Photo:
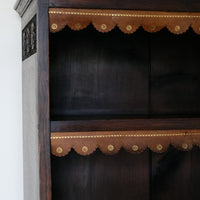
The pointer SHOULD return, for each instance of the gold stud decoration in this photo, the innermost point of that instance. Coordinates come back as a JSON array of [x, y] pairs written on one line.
[[110, 147], [135, 147], [84, 149], [59, 150], [54, 26], [78, 25], [128, 27], [103, 26], [159, 147], [153, 28], [185, 146], [177, 28]]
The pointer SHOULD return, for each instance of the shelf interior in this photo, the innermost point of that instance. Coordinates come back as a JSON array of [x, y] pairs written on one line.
[[171, 175], [115, 75], [118, 81]]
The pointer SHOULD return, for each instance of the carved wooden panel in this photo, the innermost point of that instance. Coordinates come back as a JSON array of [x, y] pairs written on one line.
[[29, 39]]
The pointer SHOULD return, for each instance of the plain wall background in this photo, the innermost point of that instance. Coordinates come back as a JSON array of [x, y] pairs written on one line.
[[11, 167]]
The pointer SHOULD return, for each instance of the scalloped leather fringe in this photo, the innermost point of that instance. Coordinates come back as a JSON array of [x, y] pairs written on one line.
[[127, 21], [110, 142]]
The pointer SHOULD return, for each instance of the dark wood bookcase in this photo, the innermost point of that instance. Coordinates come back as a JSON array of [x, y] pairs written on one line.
[[87, 81]]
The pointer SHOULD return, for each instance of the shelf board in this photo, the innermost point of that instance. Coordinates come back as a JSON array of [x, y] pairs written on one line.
[[125, 124]]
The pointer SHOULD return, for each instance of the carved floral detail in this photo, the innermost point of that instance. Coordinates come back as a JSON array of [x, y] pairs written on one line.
[[29, 39]]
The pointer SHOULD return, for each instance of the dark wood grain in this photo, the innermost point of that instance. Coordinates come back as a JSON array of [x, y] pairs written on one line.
[[167, 5], [175, 175], [175, 73], [122, 176], [171, 175], [113, 75], [98, 74], [194, 173], [125, 124], [193, 5], [43, 101]]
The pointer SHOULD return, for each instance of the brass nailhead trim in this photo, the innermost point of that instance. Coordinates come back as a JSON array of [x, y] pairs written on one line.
[[59, 150], [110, 147], [103, 26], [185, 146], [84, 149], [159, 147], [135, 147], [54, 26], [122, 15], [127, 135], [128, 27], [153, 27], [177, 28]]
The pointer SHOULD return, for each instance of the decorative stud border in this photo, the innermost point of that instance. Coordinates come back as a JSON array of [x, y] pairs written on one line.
[[128, 21], [101, 13], [110, 142], [128, 135]]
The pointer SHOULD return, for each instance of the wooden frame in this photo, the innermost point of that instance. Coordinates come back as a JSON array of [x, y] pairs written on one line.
[[43, 187]]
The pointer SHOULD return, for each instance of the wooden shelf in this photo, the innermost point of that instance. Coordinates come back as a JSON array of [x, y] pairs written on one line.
[[125, 124]]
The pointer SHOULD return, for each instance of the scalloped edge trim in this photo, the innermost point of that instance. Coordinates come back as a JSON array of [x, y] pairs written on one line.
[[128, 21], [110, 142]]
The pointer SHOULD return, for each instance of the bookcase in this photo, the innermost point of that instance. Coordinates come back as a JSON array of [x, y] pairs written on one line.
[[111, 102]]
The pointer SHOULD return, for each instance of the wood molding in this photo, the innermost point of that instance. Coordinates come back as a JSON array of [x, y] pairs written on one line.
[[21, 6]]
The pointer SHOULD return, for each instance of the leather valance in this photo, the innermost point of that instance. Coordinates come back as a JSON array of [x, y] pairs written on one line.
[[110, 142], [128, 21]]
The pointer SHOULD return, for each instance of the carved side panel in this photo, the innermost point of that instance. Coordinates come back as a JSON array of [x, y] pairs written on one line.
[[29, 39]]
